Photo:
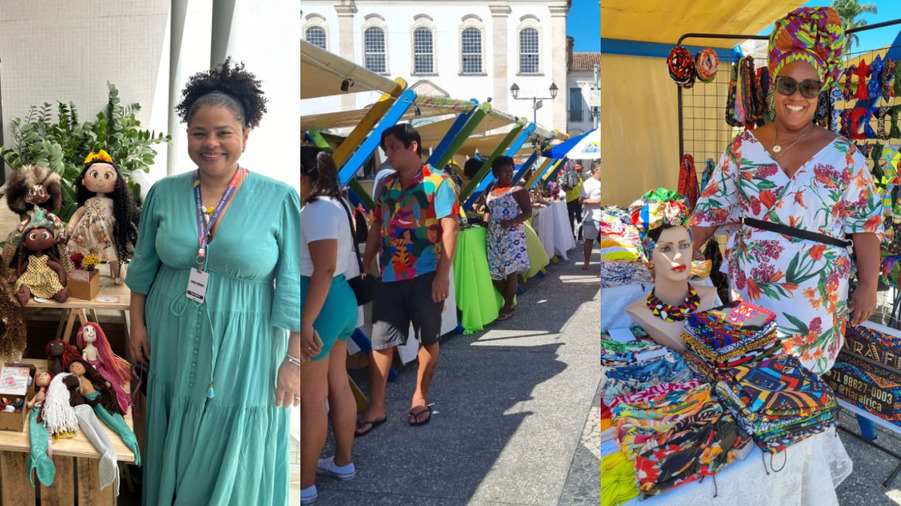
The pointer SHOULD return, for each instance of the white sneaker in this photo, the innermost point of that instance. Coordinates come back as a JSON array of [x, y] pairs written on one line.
[[328, 466], [308, 495]]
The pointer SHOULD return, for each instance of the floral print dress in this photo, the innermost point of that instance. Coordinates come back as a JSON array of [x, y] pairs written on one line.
[[506, 246], [93, 234], [804, 282]]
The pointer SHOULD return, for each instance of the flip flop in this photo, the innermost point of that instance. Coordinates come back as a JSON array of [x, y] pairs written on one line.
[[414, 414], [372, 424], [504, 316]]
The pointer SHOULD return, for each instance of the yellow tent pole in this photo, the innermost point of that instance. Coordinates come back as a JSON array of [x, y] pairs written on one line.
[[355, 138], [537, 173]]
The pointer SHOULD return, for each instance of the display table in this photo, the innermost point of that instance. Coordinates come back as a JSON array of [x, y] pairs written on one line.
[[478, 301], [551, 225], [538, 257], [814, 468], [76, 462], [111, 297]]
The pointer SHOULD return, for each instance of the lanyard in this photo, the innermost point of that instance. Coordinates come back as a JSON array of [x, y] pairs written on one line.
[[204, 226]]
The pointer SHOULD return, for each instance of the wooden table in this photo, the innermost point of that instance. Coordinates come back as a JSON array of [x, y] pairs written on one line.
[[79, 308], [76, 461]]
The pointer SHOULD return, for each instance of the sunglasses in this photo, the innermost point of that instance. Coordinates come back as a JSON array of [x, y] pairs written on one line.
[[810, 88]]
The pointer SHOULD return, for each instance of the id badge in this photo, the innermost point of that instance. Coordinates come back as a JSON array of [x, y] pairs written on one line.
[[197, 285]]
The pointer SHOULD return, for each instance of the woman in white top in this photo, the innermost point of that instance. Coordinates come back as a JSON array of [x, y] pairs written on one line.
[[329, 311]]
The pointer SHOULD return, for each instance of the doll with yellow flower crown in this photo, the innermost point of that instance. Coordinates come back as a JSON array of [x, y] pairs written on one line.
[[106, 223]]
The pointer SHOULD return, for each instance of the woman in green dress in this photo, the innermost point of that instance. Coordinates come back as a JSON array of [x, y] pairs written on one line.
[[211, 312]]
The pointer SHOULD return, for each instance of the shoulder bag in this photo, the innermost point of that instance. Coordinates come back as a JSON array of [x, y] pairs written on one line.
[[362, 285]]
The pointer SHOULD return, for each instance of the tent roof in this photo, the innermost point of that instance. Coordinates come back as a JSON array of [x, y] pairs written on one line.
[[323, 73], [486, 145], [428, 107], [639, 21]]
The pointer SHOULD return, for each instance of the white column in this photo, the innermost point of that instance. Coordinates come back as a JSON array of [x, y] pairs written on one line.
[[265, 36], [558, 72], [346, 35], [189, 53], [499, 17]]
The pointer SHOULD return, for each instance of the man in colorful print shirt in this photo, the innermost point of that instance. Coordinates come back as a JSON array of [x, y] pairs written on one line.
[[414, 231]]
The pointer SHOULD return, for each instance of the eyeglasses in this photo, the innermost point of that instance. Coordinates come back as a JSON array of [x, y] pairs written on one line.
[[810, 88]]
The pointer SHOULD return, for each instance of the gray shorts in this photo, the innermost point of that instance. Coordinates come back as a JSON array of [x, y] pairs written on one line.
[[399, 303], [590, 229]]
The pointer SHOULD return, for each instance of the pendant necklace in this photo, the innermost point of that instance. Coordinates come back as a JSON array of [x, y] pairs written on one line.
[[777, 149]]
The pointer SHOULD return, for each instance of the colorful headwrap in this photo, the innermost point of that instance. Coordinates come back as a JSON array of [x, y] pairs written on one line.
[[810, 34], [658, 208]]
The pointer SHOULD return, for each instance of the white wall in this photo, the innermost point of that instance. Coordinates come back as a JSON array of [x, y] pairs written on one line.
[[447, 16], [584, 81], [66, 51]]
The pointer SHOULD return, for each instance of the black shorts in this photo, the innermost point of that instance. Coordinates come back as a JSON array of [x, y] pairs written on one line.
[[397, 304]]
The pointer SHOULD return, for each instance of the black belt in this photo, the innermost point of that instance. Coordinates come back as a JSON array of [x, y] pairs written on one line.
[[795, 232]]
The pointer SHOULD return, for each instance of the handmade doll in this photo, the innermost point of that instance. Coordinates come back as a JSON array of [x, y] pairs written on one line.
[[97, 390], [106, 224], [40, 457], [37, 268], [92, 429], [98, 353], [60, 353], [58, 415], [29, 189], [41, 382]]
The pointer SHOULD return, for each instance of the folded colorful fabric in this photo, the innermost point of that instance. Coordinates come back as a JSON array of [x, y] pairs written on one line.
[[654, 392], [625, 380], [619, 239], [617, 480], [731, 323], [781, 385], [623, 272], [616, 354]]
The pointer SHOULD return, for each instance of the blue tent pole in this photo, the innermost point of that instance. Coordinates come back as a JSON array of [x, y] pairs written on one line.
[[371, 142], [555, 166], [489, 177], [526, 166], [451, 134]]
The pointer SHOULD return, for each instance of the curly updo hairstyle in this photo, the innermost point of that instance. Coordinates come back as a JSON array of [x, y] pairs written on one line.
[[226, 86]]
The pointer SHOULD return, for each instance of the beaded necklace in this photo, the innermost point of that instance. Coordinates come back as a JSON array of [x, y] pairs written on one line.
[[674, 313]]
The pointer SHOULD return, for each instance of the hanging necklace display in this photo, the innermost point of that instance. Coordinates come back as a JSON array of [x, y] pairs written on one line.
[[674, 313], [778, 149]]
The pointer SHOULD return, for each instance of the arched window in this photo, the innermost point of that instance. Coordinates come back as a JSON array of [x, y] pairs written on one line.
[[528, 51], [316, 35], [423, 51], [471, 51], [374, 47]]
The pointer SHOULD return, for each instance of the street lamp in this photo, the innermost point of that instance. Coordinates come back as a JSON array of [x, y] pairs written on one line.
[[536, 101]]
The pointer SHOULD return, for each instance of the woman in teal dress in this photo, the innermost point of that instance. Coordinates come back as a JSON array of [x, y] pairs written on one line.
[[222, 364]]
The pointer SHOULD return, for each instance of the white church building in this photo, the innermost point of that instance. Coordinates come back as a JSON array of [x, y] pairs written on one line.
[[460, 49]]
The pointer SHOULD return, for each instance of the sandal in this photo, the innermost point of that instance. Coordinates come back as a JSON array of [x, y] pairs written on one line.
[[416, 413], [371, 423], [504, 316]]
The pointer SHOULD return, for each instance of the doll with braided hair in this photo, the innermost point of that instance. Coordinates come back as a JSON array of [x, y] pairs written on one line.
[[106, 224]]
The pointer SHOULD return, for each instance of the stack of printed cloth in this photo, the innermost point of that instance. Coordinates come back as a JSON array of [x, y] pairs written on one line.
[[675, 433], [778, 402], [628, 379], [618, 353], [733, 334]]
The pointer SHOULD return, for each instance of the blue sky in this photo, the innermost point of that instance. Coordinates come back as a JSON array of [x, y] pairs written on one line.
[[870, 39], [583, 24]]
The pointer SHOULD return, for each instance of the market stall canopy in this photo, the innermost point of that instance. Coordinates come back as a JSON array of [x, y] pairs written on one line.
[[642, 21], [324, 73], [486, 144], [432, 133], [428, 107], [562, 149]]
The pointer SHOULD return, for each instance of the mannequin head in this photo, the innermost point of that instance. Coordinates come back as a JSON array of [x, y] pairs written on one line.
[[671, 256], [656, 212]]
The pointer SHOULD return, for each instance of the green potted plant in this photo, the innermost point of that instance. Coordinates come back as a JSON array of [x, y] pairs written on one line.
[[62, 145]]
